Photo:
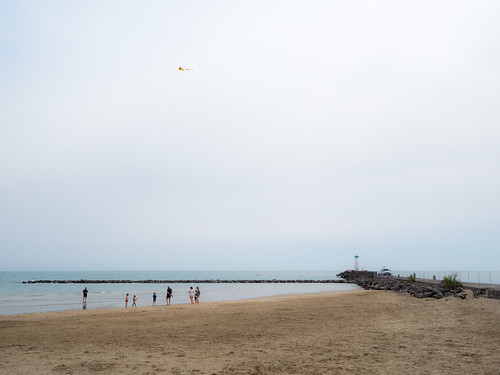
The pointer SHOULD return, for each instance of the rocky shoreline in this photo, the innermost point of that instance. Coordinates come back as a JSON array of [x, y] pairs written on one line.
[[420, 289]]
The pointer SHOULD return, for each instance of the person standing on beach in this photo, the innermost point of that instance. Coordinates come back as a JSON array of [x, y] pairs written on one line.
[[126, 300], [197, 295], [169, 295], [134, 300], [154, 299], [191, 293], [85, 291]]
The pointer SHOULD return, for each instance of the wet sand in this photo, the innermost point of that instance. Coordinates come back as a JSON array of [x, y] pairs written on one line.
[[360, 332]]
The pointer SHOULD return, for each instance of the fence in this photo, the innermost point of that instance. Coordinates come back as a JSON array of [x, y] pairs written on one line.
[[480, 277]]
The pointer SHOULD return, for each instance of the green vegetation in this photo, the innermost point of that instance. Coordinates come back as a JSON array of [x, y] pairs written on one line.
[[412, 279], [451, 281]]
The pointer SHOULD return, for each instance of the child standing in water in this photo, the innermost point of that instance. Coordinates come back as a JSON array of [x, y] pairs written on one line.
[[133, 300], [191, 293], [197, 295], [154, 299], [126, 300]]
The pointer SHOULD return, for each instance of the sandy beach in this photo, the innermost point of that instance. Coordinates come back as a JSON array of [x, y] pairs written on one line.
[[360, 332]]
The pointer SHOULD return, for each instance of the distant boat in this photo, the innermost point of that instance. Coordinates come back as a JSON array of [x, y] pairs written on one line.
[[385, 271]]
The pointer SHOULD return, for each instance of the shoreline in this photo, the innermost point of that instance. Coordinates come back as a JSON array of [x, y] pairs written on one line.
[[189, 281], [187, 303], [62, 297]]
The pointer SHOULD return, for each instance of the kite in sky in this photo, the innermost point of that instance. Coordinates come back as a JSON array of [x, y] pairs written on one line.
[[183, 69]]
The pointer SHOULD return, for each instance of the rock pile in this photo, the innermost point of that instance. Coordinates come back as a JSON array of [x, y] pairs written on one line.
[[419, 289]]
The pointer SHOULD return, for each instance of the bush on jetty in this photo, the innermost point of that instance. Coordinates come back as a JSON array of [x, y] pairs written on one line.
[[412, 279], [451, 281]]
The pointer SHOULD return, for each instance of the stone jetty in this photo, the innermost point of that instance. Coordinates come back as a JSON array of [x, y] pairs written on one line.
[[273, 281], [418, 288]]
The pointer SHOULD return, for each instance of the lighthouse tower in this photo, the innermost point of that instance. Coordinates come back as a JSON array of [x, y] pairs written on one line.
[[356, 262]]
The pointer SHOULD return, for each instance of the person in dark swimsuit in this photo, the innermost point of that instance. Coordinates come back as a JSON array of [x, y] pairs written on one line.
[[169, 295], [85, 291]]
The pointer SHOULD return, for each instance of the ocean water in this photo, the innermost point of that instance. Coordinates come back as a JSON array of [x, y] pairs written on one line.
[[16, 297]]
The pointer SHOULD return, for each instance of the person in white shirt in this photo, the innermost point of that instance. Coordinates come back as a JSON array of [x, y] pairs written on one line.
[[191, 293]]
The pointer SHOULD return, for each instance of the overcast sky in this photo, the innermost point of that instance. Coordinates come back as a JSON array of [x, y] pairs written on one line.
[[308, 132]]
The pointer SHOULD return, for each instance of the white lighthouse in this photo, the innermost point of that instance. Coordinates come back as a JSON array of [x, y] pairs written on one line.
[[356, 262]]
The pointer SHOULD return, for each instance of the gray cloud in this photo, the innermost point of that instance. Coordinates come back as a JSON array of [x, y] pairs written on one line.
[[307, 133]]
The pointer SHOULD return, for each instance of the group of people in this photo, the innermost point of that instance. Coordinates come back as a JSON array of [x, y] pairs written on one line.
[[194, 293], [194, 296]]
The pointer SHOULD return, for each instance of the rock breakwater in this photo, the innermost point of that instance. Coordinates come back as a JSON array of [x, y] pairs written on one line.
[[419, 289]]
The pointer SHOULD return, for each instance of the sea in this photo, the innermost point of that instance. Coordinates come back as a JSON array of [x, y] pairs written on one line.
[[17, 298]]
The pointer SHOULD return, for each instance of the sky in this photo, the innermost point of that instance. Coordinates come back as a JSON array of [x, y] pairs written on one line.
[[306, 133]]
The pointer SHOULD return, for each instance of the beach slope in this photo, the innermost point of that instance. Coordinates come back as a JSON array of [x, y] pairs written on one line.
[[362, 332]]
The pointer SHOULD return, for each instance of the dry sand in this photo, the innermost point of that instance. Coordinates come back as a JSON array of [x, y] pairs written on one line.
[[362, 332]]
